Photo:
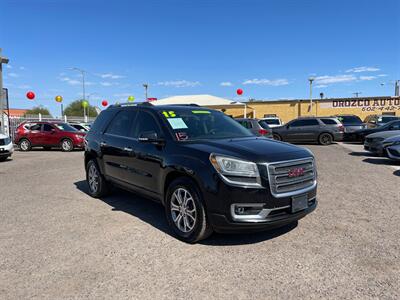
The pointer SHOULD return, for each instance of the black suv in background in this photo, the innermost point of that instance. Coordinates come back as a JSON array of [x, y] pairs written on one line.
[[374, 121], [322, 130], [209, 172]]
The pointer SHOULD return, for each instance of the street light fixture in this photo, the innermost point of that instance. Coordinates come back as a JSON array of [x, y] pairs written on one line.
[[3, 60], [83, 87], [311, 79], [146, 86]]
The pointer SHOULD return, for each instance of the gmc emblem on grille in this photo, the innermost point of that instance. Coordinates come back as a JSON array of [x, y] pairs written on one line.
[[296, 172]]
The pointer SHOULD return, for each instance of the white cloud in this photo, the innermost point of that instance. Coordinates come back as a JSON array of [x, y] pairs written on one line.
[[367, 77], [24, 87], [22, 68], [122, 95], [382, 75], [319, 86], [15, 75], [274, 82], [111, 76], [107, 83], [179, 83], [362, 69], [327, 79], [9, 66], [72, 81], [226, 83]]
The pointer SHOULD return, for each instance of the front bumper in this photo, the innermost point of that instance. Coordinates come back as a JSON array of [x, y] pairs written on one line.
[[6, 150], [375, 147], [338, 137]]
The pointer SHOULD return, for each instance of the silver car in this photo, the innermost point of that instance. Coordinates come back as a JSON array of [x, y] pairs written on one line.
[[256, 126], [379, 141]]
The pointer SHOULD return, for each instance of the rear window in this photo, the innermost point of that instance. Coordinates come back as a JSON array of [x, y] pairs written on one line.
[[329, 121], [272, 121], [349, 119], [386, 119], [263, 124]]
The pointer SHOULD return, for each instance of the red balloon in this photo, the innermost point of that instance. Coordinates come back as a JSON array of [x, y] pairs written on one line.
[[104, 103], [30, 95], [239, 91]]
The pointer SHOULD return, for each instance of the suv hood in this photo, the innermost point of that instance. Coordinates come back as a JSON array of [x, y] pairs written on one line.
[[252, 149]]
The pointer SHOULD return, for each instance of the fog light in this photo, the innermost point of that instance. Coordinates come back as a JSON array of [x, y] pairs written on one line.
[[247, 210]]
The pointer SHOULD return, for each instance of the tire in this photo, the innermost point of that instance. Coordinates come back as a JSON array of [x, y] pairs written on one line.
[[25, 145], [66, 145], [277, 137], [325, 139], [188, 221], [3, 158], [98, 186]]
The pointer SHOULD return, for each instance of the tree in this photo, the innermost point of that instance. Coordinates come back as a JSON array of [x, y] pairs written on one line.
[[75, 109], [37, 110]]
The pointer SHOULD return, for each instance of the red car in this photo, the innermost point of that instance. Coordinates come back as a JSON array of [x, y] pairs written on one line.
[[48, 135]]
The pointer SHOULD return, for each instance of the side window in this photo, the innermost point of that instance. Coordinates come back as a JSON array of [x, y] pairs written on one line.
[[47, 127], [145, 122], [243, 123], [249, 124], [329, 121], [121, 123], [310, 122], [102, 120], [35, 127], [297, 123]]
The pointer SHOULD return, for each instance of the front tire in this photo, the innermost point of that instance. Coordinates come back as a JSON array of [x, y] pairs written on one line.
[[325, 139], [185, 211], [67, 145], [98, 186], [25, 145]]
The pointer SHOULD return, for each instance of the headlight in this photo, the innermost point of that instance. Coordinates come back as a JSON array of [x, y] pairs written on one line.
[[78, 136], [232, 171]]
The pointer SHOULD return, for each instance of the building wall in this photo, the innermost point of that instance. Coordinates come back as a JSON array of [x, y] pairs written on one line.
[[289, 110]]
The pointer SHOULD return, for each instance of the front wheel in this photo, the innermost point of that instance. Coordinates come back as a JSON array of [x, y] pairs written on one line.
[[277, 137], [25, 145], [66, 145], [98, 186], [185, 211]]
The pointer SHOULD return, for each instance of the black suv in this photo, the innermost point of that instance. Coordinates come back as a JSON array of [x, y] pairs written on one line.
[[322, 130], [209, 172]]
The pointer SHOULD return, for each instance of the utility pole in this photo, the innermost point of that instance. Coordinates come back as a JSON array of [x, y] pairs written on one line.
[[311, 79], [396, 88], [83, 87], [356, 94], [3, 60], [146, 86]]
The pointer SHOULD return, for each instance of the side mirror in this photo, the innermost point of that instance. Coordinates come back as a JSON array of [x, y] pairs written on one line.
[[150, 137]]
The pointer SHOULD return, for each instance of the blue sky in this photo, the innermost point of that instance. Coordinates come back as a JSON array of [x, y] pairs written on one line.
[[267, 48]]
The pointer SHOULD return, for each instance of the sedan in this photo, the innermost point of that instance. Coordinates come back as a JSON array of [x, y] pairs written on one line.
[[359, 135], [379, 141], [393, 151]]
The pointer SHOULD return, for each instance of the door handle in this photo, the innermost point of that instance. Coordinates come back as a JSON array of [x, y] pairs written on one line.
[[103, 144], [128, 149]]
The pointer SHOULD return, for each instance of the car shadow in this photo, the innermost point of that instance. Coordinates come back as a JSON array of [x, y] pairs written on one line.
[[379, 161], [364, 153], [152, 213], [397, 173]]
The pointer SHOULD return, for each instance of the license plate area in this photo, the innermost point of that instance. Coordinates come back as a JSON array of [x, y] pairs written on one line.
[[299, 203]]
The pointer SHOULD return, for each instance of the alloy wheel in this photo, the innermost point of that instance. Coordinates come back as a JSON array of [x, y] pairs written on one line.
[[93, 177], [24, 145], [183, 210], [66, 145]]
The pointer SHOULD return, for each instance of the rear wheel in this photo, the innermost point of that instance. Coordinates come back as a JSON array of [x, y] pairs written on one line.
[[185, 211], [98, 186], [66, 145], [25, 145], [325, 139], [277, 137]]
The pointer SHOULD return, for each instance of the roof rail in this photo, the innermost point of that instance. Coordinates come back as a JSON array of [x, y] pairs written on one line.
[[191, 104], [131, 104]]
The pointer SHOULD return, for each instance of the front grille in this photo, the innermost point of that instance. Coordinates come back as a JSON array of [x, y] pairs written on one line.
[[283, 183]]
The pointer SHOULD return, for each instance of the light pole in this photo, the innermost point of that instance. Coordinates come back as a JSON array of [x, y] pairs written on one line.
[[146, 86], [3, 60], [311, 79], [356, 94], [83, 87]]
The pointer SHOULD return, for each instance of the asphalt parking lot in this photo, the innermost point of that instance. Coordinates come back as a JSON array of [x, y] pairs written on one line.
[[56, 242]]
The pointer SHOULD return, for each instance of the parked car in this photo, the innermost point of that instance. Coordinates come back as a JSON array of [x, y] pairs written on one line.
[[393, 151], [48, 135], [359, 135], [255, 126], [209, 172], [273, 121], [377, 142], [6, 147], [351, 123], [322, 130], [83, 127], [373, 121]]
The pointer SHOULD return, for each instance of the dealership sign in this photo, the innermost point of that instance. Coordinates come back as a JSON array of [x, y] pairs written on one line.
[[389, 104]]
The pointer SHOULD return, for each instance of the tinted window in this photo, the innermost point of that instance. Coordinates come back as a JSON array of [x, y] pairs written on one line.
[[102, 120], [145, 122], [47, 127], [349, 119], [329, 121], [121, 123], [395, 126], [65, 127], [263, 124], [201, 124], [386, 119], [35, 127], [305, 122]]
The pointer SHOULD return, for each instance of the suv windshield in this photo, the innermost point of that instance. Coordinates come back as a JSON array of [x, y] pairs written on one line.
[[64, 127], [349, 119], [200, 124]]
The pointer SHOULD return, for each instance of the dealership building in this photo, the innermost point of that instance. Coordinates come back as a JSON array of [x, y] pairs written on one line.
[[290, 109]]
